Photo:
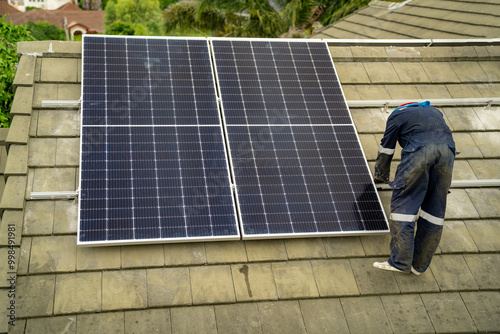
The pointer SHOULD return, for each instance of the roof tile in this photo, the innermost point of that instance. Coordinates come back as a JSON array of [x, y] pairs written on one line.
[[486, 201], [440, 72], [486, 234], [78, 292], [486, 269], [225, 252], [124, 289], [463, 171], [12, 197], [282, 317], [109, 322], [489, 143], [168, 287], [42, 152], [434, 91], [456, 238], [366, 315], [254, 281], [184, 254], [481, 305], [351, 73], [466, 146], [147, 321], [334, 278], [459, 205], [411, 72], [140, 256], [17, 160], [311, 248], [469, 71], [212, 285], [38, 218], [373, 92], [35, 295], [463, 119], [66, 217], [96, 258], [381, 72], [399, 309], [323, 315], [60, 324], [486, 168], [43, 259], [452, 273], [343, 247], [25, 73], [371, 281], [23, 100], [409, 283]]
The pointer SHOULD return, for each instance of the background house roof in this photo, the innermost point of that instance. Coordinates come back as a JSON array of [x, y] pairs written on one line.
[[269, 286], [419, 19], [6, 8], [94, 19]]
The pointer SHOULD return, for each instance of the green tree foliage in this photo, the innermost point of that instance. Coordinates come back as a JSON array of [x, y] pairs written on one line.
[[183, 18], [165, 3], [143, 16], [334, 10], [10, 34], [45, 31]]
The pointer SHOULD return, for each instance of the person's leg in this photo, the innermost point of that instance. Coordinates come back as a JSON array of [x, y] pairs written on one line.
[[409, 189], [430, 222]]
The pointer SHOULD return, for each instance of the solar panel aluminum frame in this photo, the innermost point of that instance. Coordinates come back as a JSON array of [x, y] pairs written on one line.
[[237, 236], [246, 236]]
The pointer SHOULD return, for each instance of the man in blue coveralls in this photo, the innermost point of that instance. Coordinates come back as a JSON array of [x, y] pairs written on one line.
[[422, 181]]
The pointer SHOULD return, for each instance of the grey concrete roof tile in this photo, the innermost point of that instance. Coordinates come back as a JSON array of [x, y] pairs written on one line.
[[307, 248], [370, 145], [66, 217], [33, 124], [38, 218], [21, 105], [351, 73], [60, 324], [448, 312], [463, 119], [238, 318], [486, 201], [43, 259], [25, 73], [109, 322], [295, 279], [19, 130], [459, 206], [407, 314], [268, 250], [124, 289], [42, 152], [381, 72], [434, 91], [404, 54], [13, 195], [466, 146], [415, 284], [343, 247], [489, 90], [481, 52], [456, 238], [376, 245], [368, 120], [184, 254], [141, 256], [463, 171], [469, 71], [491, 69], [282, 317], [486, 234], [486, 168], [225, 252], [168, 287], [148, 321], [367, 53], [334, 278], [56, 123], [24, 256], [212, 284], [488, 143], [78, 293], [38, 69], [254, 282], [350, 92], [68, 152], [403, 92], [452, 273], [465, 53], [494, 51], [463, 91], [373, 92], [486, 269], [12, 219], [98, 258], [17, 160], [483, 307], [323, 315], [341, 53], [366, 315], [440, 72], [436, 53], [44, 91], [69, 91], [411, 72], [35, 295], [371, 280], [490, 117], [59, 70], [54, 179]]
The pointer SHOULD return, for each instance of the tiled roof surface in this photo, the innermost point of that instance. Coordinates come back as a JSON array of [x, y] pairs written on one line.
[[5, 8], [436, 19], [271, 286], [92, 19]]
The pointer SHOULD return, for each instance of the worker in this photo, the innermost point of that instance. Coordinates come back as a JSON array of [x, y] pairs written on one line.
[[422, 182]]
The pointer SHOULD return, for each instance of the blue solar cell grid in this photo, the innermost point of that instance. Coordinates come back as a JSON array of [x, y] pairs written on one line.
[[274, 82], [153, 161], [303, 180]]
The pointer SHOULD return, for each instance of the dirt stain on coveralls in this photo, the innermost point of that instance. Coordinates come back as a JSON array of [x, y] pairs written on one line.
[[244, 271]]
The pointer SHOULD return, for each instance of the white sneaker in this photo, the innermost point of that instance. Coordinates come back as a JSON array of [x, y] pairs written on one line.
[[386, 266], [413, 270]]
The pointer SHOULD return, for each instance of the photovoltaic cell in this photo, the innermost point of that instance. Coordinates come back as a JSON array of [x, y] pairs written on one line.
[[298, 166], [153, 161], [274, 82]]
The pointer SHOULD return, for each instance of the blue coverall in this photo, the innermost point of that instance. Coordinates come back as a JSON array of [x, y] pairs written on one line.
[[422, 182]]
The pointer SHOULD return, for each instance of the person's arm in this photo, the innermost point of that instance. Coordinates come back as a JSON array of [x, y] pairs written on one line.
[[386, 151]]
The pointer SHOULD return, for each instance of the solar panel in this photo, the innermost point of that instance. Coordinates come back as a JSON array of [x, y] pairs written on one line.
[[298, 166], [153, 162]]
